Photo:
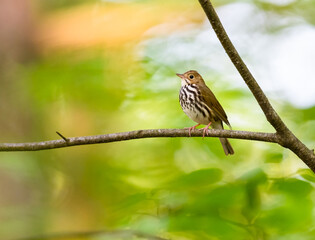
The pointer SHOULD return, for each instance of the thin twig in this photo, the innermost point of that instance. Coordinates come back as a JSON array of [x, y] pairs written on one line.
[[123, 136], [63, 137]]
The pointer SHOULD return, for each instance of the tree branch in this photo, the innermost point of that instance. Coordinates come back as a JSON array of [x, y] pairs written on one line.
[[261, 98], [283, 135], [287, 138], [124, 136]]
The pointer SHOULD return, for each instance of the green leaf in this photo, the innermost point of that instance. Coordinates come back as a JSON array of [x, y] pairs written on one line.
[[199, 178], [307, 174], [293, 187], [274, 157], [255, 176]]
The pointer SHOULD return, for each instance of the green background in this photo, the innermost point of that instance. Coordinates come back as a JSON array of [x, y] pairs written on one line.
[[177, 188]]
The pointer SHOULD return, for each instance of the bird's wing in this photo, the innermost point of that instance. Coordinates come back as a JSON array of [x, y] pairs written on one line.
[[214, 104]]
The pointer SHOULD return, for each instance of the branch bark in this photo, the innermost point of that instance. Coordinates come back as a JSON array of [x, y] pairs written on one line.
[[124, 136], [287, 138]]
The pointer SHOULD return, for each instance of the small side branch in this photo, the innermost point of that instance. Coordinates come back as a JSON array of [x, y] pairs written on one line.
[[124, 136], [63, 137]]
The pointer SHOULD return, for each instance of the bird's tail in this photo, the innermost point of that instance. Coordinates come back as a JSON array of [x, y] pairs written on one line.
[[225, 143], [226, 146]]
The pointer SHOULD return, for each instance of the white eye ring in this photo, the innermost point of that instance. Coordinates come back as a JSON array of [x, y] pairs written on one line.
[[191, 76]]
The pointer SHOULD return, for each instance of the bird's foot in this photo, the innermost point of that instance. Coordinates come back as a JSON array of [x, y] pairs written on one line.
[[206, 130], [192, 128]]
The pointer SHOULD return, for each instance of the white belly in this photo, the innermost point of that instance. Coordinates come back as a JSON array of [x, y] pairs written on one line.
[[196, 116]]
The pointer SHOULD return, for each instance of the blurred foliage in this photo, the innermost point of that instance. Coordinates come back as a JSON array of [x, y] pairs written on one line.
[[61, 4], [300, 8], [173, 188]]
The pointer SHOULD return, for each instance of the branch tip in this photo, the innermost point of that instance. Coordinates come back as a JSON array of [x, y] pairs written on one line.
[[63, 137]]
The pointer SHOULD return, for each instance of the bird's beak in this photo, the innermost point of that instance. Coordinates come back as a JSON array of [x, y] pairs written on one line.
[[180, 75]]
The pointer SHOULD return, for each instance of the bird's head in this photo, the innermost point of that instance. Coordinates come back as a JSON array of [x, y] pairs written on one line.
[[190, 77]]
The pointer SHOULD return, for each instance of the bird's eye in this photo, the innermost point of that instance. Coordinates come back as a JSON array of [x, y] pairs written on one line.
[[191, 76]]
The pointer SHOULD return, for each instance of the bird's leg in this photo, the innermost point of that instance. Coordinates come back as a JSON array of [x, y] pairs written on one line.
[[205, 130], [191, 128]]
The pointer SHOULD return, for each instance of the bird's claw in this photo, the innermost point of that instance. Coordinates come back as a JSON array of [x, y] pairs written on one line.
[[191, 128], [206, 130]]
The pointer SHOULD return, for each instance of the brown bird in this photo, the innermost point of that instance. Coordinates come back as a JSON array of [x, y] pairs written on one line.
[[201, 106]]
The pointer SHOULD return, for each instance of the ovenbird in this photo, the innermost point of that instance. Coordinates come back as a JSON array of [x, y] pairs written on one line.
[[201, 106]]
